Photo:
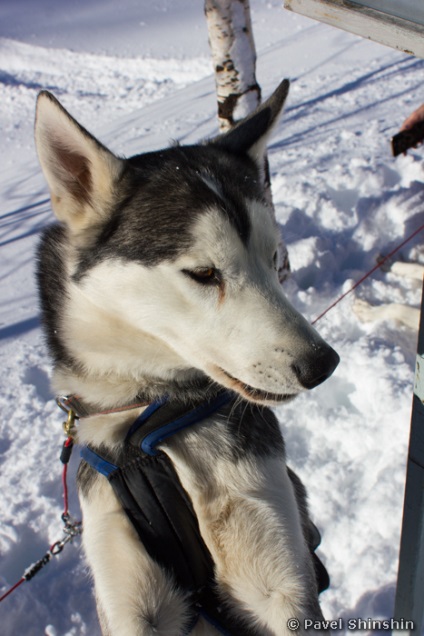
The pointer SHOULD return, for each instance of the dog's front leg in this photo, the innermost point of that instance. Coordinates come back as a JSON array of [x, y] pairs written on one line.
[[134, 596], [254, 531]]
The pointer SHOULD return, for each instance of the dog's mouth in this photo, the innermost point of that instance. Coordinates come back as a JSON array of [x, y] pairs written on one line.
[[251, 393]]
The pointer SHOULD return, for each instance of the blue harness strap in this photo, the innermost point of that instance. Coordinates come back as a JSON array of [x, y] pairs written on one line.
[[144, 416], [97, 462], [152, 438]]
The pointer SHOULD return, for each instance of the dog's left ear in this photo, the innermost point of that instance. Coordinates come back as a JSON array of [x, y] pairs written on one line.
[[250, 135], [80, 171]]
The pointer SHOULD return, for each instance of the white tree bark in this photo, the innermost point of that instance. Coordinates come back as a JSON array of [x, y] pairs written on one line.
[[234, 59], [238, 92]]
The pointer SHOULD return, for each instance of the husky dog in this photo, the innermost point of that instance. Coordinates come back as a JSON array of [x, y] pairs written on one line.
[[160, 280]]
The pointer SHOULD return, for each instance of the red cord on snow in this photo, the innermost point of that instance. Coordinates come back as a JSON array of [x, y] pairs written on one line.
[[12, 589], [71, 529], [361, 280]]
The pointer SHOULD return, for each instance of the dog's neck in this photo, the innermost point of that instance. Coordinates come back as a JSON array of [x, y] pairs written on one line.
[[100, 394], [109, 391]]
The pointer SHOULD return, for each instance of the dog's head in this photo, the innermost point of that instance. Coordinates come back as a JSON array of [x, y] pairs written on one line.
[[169, 261]]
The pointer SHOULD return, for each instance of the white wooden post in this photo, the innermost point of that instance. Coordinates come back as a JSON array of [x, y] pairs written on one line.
[[409, 603]]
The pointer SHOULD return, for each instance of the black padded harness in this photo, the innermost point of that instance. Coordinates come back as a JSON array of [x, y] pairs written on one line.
[[160, 510], [150, 492]]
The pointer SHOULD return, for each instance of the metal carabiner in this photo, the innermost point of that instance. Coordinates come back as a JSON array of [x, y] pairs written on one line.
[[63, 402], [57, 547], [71, 528], [69, 427]]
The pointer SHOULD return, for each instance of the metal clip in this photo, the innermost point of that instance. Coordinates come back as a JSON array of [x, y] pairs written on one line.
[[71, 530], [71, 527], [69, 426], [63, 402], [58, 546]]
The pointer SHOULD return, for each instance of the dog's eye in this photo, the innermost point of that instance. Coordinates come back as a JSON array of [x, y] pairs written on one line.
[[275, 260], [204, 275]]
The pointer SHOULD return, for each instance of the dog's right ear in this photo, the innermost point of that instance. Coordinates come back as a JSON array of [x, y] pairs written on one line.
[[80, 171], [250, 135]]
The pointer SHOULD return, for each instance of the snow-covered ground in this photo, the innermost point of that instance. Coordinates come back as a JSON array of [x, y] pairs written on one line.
[[139, 76]]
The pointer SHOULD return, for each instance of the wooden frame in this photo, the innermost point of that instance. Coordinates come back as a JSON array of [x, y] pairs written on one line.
[[401, 34]]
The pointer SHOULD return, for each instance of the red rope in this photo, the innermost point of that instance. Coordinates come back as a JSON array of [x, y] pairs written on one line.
[[57, 547], [361, 280], [12, 589], [67, 443]]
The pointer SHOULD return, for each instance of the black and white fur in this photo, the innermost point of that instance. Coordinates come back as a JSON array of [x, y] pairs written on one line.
[[160, 278]]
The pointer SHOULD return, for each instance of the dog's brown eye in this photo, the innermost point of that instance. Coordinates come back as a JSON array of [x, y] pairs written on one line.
[[204, 275]]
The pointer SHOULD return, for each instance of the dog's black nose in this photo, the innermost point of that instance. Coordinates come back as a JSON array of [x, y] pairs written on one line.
[[315, 368]]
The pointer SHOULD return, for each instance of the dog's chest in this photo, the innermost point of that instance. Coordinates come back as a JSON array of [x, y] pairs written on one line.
[[226, 459]]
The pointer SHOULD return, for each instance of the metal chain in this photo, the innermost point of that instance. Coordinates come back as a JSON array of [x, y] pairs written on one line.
[[71, 527]]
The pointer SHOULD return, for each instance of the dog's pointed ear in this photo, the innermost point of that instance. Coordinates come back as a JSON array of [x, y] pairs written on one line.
[[80, 171], [250, 135]]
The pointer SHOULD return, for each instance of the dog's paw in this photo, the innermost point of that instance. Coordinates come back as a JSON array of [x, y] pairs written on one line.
[[363, 310], [414, 271], [401, 314]]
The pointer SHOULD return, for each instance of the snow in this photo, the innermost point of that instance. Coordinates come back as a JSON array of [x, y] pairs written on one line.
[[138, 77]]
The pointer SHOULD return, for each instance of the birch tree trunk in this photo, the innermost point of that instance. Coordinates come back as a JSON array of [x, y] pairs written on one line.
[[234, 59], [238, 92]]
